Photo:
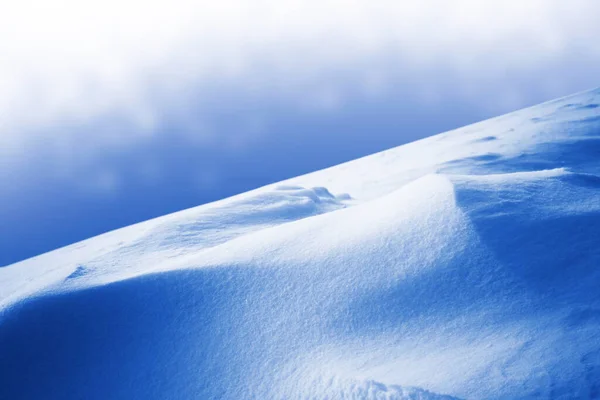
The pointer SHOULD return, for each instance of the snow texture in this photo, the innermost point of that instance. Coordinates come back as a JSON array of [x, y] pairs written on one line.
[[464, 265]]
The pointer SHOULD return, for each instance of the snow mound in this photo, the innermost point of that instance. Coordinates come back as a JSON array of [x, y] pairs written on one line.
[[366, 390], [139, 248], [464, 265]]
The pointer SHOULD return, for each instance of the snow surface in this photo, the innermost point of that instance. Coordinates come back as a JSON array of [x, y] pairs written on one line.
[[464, 265]]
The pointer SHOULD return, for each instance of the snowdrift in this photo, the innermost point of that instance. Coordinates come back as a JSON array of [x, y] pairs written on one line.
[[464, 265]]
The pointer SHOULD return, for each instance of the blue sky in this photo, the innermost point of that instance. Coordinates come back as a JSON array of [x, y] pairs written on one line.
[[114, 112]]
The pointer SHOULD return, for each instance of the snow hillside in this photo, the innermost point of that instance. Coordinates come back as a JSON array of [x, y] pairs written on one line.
[[465, 265]]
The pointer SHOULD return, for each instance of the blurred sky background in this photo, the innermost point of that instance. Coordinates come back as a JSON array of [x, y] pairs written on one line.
[[116, 111]]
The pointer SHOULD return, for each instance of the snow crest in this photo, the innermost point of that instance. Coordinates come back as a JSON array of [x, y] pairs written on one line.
[[463, 265]]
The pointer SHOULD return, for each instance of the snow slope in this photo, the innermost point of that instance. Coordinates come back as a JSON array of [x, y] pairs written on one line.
[[464, 265]]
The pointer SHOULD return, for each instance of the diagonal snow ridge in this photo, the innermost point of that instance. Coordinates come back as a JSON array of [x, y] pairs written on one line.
[[268, 283], [464, 264], [133, 250]]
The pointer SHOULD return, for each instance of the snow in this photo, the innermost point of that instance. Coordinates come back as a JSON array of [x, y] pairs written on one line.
[[463, 265]]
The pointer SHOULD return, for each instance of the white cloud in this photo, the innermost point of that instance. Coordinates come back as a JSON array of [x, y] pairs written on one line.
[[70, 61]]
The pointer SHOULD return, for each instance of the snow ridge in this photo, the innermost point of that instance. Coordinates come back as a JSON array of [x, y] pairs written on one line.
[[460, 266]]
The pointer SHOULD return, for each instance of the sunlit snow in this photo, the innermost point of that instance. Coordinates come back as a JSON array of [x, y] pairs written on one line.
[[464, 265]]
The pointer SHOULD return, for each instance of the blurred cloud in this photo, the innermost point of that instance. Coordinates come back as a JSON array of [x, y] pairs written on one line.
[[74, 60]]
